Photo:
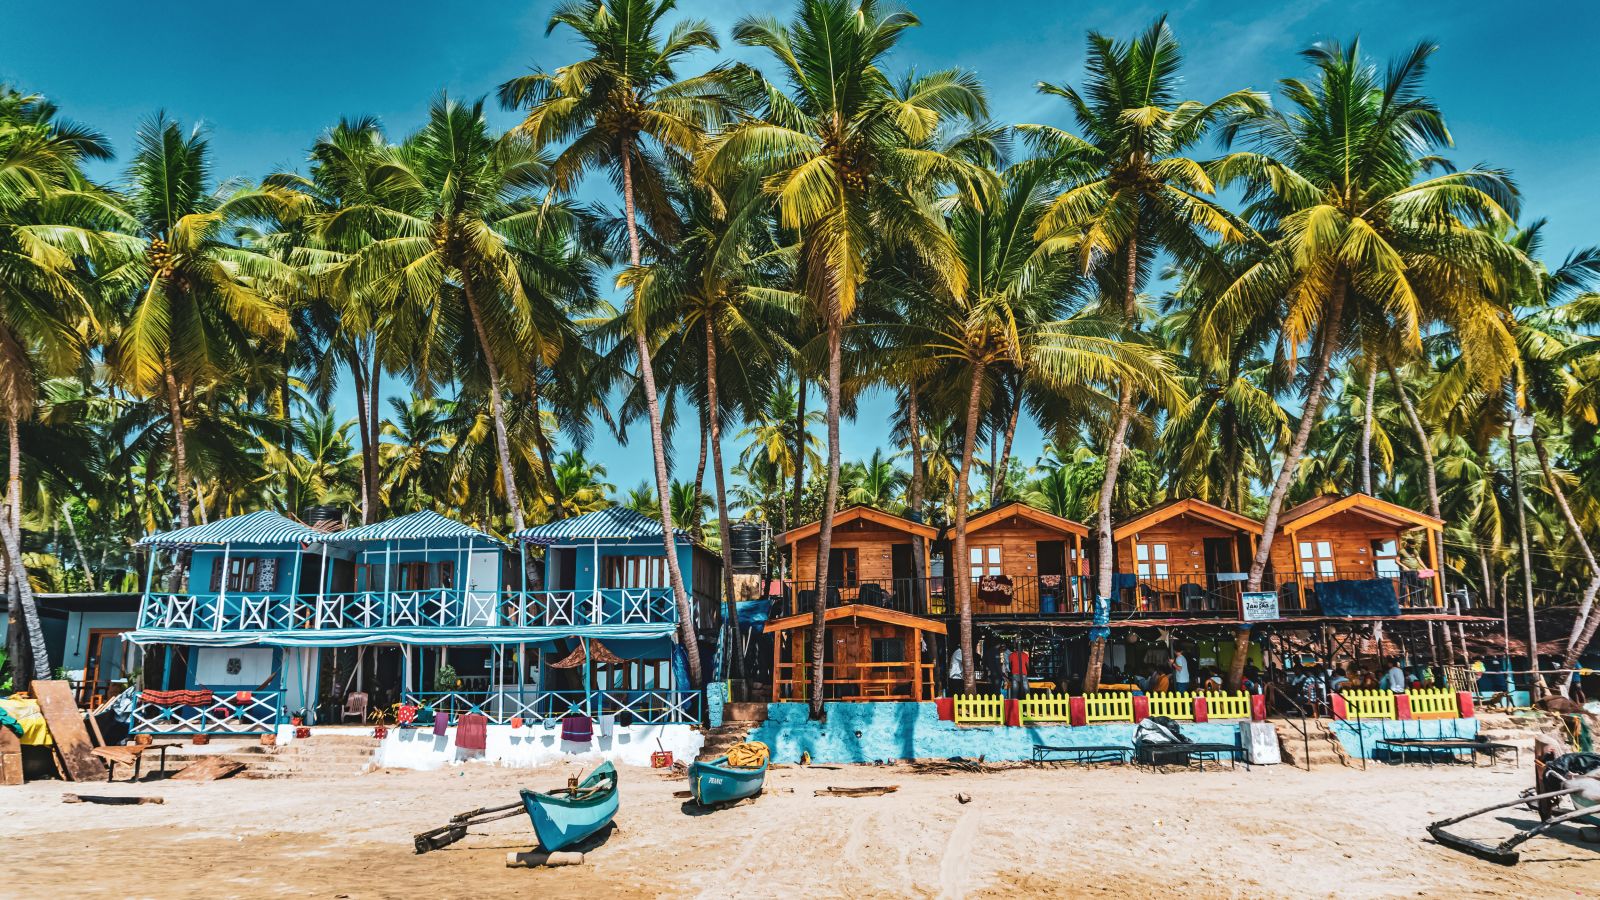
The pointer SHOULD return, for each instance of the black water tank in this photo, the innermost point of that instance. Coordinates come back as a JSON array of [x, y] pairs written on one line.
[[746, 543], [316, 515]]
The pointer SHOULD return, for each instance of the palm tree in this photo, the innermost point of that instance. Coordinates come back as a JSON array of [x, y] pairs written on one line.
[[1013, 315], [873, 481], [779, 434], [1130, 194], [612, 106], [199, 302], [413, 462], [581, 484], [1356, 237], [51, 222], [845, 154], [454, 211]]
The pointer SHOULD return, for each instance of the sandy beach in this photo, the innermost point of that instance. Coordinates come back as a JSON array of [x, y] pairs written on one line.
[[1270, 832]]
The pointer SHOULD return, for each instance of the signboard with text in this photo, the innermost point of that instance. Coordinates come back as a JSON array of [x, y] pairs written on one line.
[[1258, 606]]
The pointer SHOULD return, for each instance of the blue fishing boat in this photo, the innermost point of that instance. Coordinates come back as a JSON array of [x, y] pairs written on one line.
[[715, 782], [565, 817]]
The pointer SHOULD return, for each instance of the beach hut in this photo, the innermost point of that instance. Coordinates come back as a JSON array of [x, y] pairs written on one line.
[[1025, 561], [1184, 556], [1340, 548], [871, 562], [872, 653]]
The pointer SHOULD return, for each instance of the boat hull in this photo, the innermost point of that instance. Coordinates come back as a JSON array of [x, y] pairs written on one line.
[[715, 782], [561, 821]]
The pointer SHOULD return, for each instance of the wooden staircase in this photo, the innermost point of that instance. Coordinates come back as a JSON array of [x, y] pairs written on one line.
[[739, 720]]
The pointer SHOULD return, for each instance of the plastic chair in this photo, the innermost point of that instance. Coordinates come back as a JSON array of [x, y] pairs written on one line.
[[354, 705]]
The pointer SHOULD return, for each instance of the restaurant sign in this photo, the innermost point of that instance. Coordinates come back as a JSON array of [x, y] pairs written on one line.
[[1259, 606]]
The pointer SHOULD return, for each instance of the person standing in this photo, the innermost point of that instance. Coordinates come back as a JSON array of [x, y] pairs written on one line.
[[1017, 665], [1180, 672], [1395, 680], [957, 673]]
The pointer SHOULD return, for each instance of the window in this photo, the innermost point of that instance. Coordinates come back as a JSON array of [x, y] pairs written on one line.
[[246, 574], [889, 650], [1386, 559], [984, 561], [1153, 561], [842, 571], [1316, 558], [635, 572]]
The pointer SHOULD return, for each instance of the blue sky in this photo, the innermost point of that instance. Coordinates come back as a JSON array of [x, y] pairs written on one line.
[[266, 78]]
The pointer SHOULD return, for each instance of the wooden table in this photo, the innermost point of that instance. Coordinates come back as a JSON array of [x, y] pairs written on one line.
[[133, 755]]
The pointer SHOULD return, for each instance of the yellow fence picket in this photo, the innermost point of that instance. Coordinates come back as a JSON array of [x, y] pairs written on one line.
[[1108, 707], [1223, 705], [1370, 704], [1047, 708], [1434, 703], [980, 709], [1174, 705]]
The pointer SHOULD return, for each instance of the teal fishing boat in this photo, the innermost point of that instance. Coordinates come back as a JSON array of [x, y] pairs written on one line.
[[716, 782], [562, 818]]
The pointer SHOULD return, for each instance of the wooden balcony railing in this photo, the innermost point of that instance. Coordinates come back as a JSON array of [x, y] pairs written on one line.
[[917, 596]]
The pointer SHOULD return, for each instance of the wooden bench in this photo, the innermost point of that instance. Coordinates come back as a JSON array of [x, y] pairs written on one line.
[[1085, 754], [133, 755]]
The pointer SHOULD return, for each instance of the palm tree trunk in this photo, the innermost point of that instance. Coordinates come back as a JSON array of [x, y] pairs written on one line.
[[647, 376], [1586, 605], [364, 427], [962, 565], [508, 478], [799, 442], [830, 501], [374, 422], [995, 497], [21, 590], [919, 549], [1536, 679], [714, 432], [1366, 429], [77, 547], [546, 455], [1098, 634], [1327, 344], [700, 466], [180, 453], [1429, 468]]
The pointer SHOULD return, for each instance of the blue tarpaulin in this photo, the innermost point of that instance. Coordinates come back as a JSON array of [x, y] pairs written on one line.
[[754, 612], [1368, 597]]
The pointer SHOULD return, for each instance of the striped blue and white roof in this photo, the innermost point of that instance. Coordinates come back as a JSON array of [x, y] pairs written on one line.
[[424, 524], [611, 523], [262, 527]]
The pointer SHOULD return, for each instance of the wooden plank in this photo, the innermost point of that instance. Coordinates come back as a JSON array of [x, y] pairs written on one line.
[[539, 859], [874, 791], [104, 800], [65, 721], [209, 769], [10, 757]]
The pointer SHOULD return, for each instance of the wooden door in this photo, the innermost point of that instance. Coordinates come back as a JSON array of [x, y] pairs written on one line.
[[104, 663]]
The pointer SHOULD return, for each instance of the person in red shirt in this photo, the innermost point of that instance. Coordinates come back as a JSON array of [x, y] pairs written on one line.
[[1017, 666]]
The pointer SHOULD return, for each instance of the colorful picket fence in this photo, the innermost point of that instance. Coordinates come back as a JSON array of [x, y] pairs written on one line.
[[1177, 705], [1434, 703], [1222, 705], [1370, 704], [1046, 708], [1108, 707], [980, 709]]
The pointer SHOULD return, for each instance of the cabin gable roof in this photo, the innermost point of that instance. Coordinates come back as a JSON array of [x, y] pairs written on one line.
[[1033, 514], [859, 514], [1326, 506], [1189, 506], [860, 611]]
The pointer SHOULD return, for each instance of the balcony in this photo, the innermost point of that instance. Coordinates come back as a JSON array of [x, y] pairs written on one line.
[[634, 707], [442, 608], [916, 596]]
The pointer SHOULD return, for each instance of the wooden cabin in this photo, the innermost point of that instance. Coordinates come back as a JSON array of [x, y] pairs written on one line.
[[1354, 538], [870, 561], [872, 654], [1185, 556], [1025, 561]]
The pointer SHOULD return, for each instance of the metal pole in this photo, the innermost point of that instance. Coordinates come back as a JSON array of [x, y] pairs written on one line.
[[322, 585], [222, 585]]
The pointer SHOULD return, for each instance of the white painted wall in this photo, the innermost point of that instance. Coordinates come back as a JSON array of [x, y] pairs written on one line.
[[211, 665], [527, 747]]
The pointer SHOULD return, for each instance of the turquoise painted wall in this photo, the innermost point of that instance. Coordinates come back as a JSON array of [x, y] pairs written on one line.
[[434, 551], [883, 732], [78, 627], [206, 559], [585, 576], [1351, 734]]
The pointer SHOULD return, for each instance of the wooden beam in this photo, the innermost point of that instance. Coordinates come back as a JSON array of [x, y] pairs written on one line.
[[1433, 560]]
